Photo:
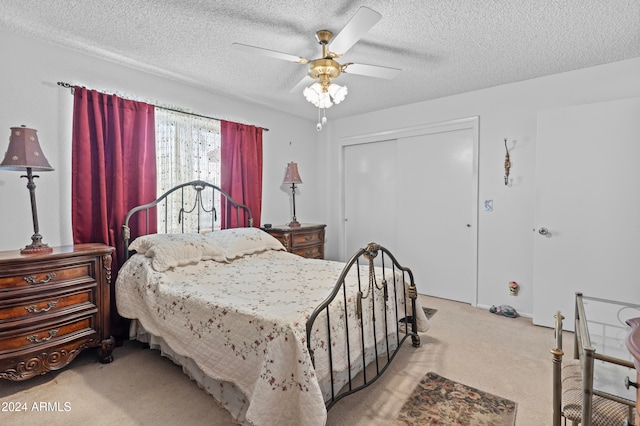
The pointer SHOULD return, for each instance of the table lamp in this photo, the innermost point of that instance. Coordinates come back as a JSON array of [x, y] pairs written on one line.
[[24, 153], [292, 177]]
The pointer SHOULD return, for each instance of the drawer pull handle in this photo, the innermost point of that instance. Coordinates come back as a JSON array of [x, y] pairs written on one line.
[[34, 309], [34, 338], [32, 279]]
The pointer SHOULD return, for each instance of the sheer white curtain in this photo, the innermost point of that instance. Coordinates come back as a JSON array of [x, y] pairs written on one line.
[[187, 149]]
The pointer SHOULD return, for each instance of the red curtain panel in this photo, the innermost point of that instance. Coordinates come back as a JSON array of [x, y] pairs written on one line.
[[113, 170], [241, 170]]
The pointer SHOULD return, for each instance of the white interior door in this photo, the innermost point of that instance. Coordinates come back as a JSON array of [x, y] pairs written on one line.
[[417, 196], [587, 198]]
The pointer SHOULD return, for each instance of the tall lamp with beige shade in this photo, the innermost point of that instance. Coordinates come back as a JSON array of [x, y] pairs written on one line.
[[24, 153], [292, 177]]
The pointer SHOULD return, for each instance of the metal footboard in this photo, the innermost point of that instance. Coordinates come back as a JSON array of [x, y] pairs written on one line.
[[390, 316]]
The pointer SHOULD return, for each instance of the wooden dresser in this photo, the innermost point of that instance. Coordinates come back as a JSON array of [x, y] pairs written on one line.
[[307, 240], [52, 306], [633, 345]]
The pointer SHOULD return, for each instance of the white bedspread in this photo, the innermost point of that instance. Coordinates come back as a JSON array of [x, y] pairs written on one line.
[[244, 322]]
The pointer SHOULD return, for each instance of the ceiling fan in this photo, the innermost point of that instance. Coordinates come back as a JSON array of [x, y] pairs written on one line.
[[323, 92]]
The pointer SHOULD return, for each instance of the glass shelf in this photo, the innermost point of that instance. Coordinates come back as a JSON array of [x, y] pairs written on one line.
[[606, 328]]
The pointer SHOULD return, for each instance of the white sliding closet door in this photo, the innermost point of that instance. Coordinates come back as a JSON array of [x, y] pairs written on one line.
[[435, 213], [370, 191], [417, 196]]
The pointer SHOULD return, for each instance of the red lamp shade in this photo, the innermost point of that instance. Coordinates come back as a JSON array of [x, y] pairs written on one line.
[[24, 151], [292, 175]]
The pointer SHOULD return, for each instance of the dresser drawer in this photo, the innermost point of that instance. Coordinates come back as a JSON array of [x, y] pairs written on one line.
[[45, 334], [302, 239], [39, 278], [314, 252], [44, 306]]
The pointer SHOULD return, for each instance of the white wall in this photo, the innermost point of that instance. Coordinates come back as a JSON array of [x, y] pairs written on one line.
[[30, 96], [505, 251]]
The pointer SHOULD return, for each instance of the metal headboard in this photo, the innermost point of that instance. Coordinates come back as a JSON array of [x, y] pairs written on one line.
[[242, 214]]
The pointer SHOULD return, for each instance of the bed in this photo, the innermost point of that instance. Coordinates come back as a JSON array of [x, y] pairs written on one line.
[[277, 339]]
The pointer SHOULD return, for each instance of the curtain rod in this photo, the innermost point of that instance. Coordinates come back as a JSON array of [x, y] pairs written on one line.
[[69, 86]]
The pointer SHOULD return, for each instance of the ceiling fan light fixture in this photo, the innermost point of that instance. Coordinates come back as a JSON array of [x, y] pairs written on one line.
[[313, 93], [337, 93], [322, 98]]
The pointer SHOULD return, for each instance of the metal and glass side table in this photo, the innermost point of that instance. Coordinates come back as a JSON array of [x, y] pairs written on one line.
[[607, 365]]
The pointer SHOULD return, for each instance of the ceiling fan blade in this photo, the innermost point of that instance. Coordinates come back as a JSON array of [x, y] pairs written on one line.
[[306, 81], [360, 23], [372, 71], [272, 53]]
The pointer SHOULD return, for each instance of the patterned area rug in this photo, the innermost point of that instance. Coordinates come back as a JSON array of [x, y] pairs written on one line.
[[440, 401]]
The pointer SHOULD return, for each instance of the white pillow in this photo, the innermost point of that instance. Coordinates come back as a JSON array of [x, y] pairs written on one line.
[[238, 242], [145, 242], [170, 250]]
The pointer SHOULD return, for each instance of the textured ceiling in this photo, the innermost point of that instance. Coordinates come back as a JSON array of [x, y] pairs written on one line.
[[443, 47]]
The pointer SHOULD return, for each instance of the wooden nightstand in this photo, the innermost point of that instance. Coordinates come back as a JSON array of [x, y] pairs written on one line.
[[52, 306], [307, 240]]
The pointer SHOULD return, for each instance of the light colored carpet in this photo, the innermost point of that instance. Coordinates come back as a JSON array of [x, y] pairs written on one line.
[[503, 356]]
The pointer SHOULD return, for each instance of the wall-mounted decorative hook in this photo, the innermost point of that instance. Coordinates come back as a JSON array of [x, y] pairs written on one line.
[[507, 163]]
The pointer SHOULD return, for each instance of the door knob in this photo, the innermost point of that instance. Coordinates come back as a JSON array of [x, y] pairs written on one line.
[[628, 383], [543, 231]]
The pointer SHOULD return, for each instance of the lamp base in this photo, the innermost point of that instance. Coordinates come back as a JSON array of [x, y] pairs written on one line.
[[36, 249], [36, 246], [293, 224]]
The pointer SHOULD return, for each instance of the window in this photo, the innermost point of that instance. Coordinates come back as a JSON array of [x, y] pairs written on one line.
[[187, 148]]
